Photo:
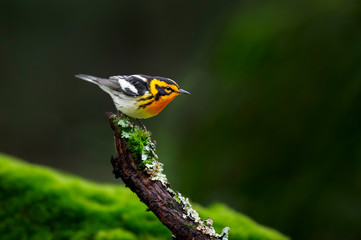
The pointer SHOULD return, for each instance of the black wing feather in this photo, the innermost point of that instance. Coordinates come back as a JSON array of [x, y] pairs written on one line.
[[140, 83]]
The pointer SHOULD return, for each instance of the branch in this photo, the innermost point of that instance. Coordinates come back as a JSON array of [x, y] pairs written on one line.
[[135, 163]]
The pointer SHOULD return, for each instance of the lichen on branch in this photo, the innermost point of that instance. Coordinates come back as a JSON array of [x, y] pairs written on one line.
[[142, 148], [137, 164]]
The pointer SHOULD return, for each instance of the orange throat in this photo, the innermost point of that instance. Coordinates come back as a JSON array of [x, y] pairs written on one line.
[[157, 106]]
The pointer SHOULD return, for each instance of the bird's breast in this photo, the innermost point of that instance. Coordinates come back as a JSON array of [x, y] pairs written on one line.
[[157, 106]]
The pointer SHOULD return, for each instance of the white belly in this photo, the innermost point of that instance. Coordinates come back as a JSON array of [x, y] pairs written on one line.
[[126, 104]]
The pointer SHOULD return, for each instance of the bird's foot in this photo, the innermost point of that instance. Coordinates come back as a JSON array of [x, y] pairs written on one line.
[[141, 124], [119, 113]]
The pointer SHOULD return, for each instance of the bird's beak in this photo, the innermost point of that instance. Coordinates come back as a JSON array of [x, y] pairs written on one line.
[[183, 91]]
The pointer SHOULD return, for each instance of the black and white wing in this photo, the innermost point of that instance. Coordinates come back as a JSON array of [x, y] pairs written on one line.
[[132, 85]]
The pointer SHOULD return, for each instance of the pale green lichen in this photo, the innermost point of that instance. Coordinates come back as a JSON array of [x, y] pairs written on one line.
[[205, 226]]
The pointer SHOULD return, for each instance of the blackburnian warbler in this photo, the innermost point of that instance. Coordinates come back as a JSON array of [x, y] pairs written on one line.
[[138, 96]]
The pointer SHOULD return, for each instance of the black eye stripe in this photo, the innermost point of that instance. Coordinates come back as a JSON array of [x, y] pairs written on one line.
[[162, 91]]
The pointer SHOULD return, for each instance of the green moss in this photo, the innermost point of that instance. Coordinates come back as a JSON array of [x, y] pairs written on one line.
[[138, 141], [242, 227], [40, 203], [115, 234], [177, 198]]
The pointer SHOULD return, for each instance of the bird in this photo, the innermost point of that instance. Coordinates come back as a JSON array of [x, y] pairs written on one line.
[[138, 96]]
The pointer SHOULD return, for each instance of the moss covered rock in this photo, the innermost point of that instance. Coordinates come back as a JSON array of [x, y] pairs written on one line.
[[40, 203]]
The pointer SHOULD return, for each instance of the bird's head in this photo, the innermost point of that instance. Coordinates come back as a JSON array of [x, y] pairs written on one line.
[[164, 90]]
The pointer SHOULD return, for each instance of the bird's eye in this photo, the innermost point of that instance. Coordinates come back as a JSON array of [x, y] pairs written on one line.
[[168, 89]]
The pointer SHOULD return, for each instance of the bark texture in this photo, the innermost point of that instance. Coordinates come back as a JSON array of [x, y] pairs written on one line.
[[161, 202]]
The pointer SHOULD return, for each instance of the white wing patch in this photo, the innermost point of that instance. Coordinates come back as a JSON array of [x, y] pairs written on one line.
[[125, 84], [140, 77]]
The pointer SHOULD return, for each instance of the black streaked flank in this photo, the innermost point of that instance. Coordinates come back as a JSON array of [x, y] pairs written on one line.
[[145, 104], [146, 98]]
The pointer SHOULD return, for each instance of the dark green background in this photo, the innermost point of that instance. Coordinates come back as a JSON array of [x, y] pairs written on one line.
[[272, 127]]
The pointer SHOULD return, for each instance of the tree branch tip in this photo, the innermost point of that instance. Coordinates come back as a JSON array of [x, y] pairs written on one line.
[[110, 114]]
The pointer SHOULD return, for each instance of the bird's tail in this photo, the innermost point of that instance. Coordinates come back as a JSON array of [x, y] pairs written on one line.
[[89, 78]]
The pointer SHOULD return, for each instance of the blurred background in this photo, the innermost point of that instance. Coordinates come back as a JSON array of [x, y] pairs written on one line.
[[272, 127]]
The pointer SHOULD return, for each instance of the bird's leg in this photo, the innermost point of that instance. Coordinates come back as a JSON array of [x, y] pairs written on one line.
[[119, 113], [141, 124]]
